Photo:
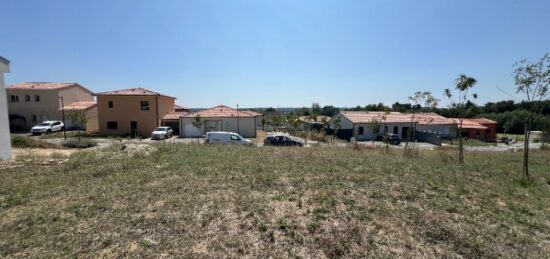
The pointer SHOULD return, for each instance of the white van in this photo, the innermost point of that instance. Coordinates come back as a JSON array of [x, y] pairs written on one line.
[[223, 137]]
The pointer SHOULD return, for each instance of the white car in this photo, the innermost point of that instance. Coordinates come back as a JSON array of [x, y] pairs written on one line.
[[47, 127], [162, 133], [223, 137]]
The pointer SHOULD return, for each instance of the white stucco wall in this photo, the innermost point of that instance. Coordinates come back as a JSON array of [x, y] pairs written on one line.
[[246, 126], [5, 141]]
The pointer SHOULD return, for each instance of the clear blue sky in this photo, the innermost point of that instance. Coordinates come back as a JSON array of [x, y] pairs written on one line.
[[269, 53]]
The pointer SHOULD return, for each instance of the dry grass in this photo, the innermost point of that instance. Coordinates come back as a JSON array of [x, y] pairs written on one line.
[[226, 201]]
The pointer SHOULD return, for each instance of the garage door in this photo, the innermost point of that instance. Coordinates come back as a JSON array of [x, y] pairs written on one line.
[[191, 131]]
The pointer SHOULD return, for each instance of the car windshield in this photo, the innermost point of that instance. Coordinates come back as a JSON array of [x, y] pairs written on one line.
[[160, 129], [44, 124]]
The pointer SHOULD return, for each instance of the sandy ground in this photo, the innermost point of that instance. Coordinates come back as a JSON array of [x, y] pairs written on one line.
[[46, 152]]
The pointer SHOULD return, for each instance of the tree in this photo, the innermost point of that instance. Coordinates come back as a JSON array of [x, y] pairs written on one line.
[[463, 85], [532, 80], [425, 99], [329, 111], [315, 109], [374, 126], [78, 118], [197, 123]]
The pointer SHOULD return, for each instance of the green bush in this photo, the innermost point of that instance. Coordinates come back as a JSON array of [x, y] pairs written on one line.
[[83, 143], [26, 142]]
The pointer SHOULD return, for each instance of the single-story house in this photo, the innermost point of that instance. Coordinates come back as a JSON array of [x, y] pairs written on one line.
[[88, 109], [479, 128], [368, 125], [219, 118]]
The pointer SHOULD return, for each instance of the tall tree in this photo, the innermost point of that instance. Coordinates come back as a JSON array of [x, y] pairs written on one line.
[[459, 99], [532, 80], [419, 98]]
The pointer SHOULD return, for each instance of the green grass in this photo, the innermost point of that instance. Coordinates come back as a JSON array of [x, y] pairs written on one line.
[[230, 201], [27, 142]]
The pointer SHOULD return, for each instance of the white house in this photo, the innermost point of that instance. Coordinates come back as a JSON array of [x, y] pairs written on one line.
[[5, 140], [367, 125], [220, 118]]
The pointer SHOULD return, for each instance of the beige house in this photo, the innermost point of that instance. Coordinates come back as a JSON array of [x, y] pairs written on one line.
[[220, 118], [33, 102], [131, 112], [88, 109], [5, 141]]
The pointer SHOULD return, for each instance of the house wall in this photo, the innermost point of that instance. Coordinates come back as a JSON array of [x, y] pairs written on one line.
[[46, 109], [166, 105], [368, 133], [127, 109], [5, 140], [74, 94], [345, 123], [92, 123], [246, 126], [442, 129]]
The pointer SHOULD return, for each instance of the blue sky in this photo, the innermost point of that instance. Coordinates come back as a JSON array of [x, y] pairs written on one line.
[[269, 53]]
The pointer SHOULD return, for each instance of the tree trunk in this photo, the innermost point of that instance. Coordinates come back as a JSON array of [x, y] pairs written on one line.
[[460, 147], [526, 151]]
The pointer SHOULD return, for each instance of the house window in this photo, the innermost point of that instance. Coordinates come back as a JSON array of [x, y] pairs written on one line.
[[395, 130], [37, 98], [27, 98], [110, 104], [112, 125], [14, 98], [361, 130], [33, 117], [144, 105]]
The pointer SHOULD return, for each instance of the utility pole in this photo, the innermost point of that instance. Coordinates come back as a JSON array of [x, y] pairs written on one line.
[[238, 130], [63, 114]]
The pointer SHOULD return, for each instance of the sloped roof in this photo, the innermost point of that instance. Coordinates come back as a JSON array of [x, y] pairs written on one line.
[[369, 116], [469, 124], [4, 60], [43, 86], [220, 111], [138, 91], [174, 115], [79, 106], [431, 118], [253, 113], [482, 121]]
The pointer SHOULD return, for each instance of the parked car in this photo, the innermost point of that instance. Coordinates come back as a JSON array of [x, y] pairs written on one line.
[[47, 127], [162, 133], [282, 140], [224, 137], [393, 139]]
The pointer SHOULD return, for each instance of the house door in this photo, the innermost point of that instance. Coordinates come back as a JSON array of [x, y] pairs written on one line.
[[133, 129], [405, 133]]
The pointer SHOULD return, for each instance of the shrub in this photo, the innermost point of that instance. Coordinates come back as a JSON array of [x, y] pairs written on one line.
[[26, 142], [83, 143]]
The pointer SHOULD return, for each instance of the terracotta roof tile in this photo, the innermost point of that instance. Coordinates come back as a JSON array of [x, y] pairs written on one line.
[[425, 118], [220, 111], [174, 115], [483, 121], [133, 91], [253, 113], [369, 116], [79, 106], [41, 86]]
